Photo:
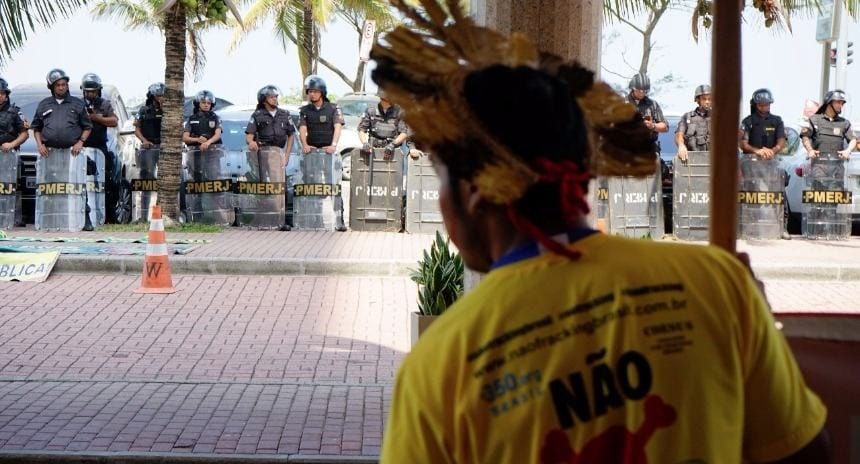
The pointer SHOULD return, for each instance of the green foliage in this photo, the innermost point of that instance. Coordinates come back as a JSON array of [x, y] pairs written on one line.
[[439, 277]]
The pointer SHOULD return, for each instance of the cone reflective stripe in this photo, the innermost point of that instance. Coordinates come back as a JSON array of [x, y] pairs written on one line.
[[156, 276]]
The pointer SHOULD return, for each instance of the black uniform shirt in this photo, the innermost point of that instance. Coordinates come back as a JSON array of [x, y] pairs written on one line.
[[203, 123], [649, 109], [763, 131], [149, 120], [98, 137], [11, 122], [61, 124], [828, 135], [271, 130], [320, 123]]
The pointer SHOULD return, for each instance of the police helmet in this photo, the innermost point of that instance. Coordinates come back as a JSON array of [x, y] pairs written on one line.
[[155, 90], [91, 81], [4, 86], [55, 75], [316, 83], [641, 82], [267, 91], [835, 95], [762, 96], [204, 96], [703, 89], [381, 94]]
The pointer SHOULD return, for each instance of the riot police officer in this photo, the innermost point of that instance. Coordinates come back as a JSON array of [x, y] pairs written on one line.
[[203, 128], [13, 131], [102, 116], [694, 128], [762, 133], [62, 121], [384, 125], [828, 131], [270, 126], [320, 123], [147, 125], [650, 110]]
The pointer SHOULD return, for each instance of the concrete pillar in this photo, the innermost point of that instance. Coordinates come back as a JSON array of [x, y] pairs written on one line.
[[568, 28]]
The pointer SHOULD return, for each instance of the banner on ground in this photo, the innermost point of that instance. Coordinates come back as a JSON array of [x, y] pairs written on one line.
[[27, 267]]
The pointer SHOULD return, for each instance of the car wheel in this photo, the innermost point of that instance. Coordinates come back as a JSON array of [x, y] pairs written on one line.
[[122, 207], [347, 167]]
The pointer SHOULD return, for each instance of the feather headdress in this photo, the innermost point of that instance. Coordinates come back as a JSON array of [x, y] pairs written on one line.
[[424, 67]]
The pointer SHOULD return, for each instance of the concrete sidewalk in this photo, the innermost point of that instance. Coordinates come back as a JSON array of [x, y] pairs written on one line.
[[247, 252]]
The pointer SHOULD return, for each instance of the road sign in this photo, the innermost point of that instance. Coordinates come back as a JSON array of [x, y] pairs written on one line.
[[828, 29], [366, 39]]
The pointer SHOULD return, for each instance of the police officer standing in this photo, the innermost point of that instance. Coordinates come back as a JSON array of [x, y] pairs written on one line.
[[320, 123], [762, 133], [147, 125], [13, 131], [203, 128], [62, 121], [650, 110], [384, 125], [270, 126], [102, 116], [828, 131], [694, 128]]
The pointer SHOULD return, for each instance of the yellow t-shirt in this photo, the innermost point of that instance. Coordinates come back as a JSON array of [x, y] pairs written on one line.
[[637, 352]]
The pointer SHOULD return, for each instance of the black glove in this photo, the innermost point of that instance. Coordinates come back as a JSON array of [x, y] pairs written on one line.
[[90, 109], [389, 149]]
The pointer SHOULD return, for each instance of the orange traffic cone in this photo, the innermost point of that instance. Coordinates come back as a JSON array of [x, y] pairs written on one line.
[[156, 269]]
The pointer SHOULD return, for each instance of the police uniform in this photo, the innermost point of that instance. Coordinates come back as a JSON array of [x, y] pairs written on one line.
[[763, 131], [649, 108], [320, 123], [271, 130], [98, 136], [383, 125], [61, 123], [11, 122], [202, 124], [149, 118], [696, 129], [828, 136]]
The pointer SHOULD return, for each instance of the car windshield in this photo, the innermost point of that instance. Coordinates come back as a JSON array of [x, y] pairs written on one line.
[[354, 107], [668, 149], [233, 134]]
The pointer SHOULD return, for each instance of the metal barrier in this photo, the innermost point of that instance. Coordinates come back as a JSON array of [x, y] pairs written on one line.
[[691, 203], [636, 206], [209, 189], [317, 200], [95, 186], [260, 191], [376, 197], [826, 204], [8, 188], [761, 196], [423, 215], [598, 191], [61, 191], [144, 183]]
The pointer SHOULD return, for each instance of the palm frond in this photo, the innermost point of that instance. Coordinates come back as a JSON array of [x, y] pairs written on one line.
[[196, 54], [135, 16], [21, 17]]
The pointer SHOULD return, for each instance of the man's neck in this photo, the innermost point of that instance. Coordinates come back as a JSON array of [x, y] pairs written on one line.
[[830, 113], [270, 108], [319, 103]]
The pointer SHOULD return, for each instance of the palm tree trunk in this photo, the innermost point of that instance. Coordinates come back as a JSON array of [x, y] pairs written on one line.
[[170, 162]]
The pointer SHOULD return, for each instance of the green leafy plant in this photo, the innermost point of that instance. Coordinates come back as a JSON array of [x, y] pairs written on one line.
[[439, 277]]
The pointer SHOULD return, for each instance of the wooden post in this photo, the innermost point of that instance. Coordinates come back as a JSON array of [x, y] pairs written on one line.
[[726, 80]]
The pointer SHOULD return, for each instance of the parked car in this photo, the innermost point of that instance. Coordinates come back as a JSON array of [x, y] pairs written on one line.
[[797, 167], [353, 106], [121, 148]]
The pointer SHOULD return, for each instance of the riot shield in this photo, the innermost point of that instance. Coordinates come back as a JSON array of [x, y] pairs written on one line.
[[691, 185], [144, 183], [8, 188], [208, 190], [95, 186], [636, 206], [761, 196], [376, 196], [317, 200], [260, 190], [61, 190], [423, 215], [826, 203]]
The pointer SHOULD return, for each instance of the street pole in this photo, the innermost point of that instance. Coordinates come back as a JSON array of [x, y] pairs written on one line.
[[825, 70], [841, 21]]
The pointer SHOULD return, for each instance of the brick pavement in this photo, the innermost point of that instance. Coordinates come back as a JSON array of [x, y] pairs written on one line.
[[227, 365]]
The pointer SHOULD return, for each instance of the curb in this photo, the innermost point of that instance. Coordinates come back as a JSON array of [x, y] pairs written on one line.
[[107, 457], [828, 273], [133, 265]]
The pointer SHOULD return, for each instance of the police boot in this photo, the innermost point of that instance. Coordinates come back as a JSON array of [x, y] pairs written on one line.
[[88, 225], [285, 228], [339, 224], [785, 235]]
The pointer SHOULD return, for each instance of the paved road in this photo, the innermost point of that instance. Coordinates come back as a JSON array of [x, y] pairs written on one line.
[[229, 365]]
